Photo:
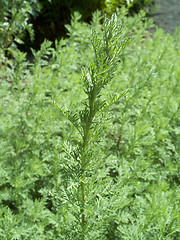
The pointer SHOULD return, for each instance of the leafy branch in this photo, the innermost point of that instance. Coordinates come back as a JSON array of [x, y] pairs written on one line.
[[107, 49]]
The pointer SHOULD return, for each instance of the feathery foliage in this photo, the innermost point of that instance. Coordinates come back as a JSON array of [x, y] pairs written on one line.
[[114, 172]]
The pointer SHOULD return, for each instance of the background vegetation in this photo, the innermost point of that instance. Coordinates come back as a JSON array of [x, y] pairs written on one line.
[[28, 23], [135, 176]]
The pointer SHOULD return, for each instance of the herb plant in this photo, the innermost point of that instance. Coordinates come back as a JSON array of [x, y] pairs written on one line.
[[129, 163], [89, 122]]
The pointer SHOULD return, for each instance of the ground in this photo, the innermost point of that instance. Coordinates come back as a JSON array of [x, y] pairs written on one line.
[[167, 15]]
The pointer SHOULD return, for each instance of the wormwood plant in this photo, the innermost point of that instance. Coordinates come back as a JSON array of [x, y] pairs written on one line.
[[84, 188], [131, 176]]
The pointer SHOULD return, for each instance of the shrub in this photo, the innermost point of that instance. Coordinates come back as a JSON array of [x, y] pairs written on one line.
[[135, 154], [14, 20]]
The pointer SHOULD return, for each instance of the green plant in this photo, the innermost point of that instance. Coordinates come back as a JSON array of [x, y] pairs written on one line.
[[112, 5], [132, 5], [83, 164], [14, 24], [134, 182]]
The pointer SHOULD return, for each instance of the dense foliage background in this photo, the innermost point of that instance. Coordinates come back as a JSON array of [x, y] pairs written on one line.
[[28, 23], [136, 175]]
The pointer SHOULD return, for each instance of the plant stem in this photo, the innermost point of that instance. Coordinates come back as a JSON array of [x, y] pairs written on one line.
[[83, 221], [83, 160]]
